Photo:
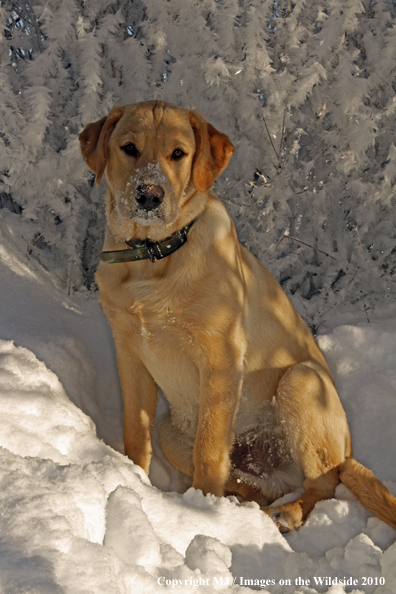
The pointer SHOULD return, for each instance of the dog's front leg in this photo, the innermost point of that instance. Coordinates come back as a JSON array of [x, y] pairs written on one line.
[[139, 392], [219, 396]]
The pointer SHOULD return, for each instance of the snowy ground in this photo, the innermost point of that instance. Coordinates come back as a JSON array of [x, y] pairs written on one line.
[[77, 516]]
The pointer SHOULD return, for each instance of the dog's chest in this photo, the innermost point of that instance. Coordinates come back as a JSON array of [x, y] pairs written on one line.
[[165, 345]]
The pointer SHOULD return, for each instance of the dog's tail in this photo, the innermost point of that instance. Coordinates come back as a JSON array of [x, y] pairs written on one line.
[[369, 490]]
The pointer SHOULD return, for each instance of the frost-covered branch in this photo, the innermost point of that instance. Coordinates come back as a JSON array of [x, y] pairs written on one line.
[[305, 90]]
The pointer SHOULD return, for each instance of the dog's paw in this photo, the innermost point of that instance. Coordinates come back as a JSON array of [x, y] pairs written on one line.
[[282, 518]]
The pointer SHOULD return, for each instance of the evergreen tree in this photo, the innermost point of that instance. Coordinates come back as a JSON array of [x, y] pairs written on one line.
[[305, 89]]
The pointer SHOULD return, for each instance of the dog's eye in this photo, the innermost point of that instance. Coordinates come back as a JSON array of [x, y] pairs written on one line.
[[177, 154], [130, 149]]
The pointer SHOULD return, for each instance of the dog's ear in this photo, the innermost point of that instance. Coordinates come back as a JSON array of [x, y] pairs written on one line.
[[94, 140], [212, 153]]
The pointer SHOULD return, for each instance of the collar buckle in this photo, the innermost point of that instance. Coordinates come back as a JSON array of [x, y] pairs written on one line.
[[151, 247]]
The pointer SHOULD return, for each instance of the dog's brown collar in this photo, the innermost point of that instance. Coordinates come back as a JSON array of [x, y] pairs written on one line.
[[148, 250]]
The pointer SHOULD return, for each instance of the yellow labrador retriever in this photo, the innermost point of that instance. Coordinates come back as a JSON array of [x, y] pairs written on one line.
[[252, 405]]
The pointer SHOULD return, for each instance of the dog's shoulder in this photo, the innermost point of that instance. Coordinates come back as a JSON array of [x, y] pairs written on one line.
[[216, 217], [214, 229]]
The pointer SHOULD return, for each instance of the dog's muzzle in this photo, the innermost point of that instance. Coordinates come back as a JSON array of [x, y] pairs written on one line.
[[149, 197]]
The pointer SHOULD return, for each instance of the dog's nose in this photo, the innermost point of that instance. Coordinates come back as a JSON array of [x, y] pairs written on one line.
[[149, 196]]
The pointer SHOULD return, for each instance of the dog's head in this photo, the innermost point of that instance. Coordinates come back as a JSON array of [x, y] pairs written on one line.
[[156, 157]]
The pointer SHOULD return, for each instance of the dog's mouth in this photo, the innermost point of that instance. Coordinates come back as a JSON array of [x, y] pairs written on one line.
[[143, 217]]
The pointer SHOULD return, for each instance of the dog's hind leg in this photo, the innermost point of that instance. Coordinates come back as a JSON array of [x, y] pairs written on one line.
[[290, 516], [178, 448], [309, 409]]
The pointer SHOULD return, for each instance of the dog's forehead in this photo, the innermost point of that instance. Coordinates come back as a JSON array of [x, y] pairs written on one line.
[[155, 117]]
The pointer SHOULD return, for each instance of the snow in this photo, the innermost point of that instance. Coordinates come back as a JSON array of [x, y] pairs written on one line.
[[77, 516]]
